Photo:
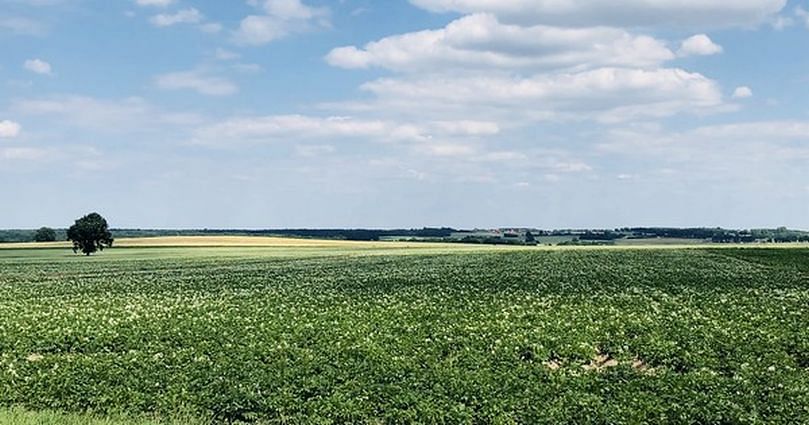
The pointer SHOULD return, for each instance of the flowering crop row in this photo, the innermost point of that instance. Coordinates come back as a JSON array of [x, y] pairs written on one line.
[[579, 336]]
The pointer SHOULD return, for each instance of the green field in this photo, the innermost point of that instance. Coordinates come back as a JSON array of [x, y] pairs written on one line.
[[402, 334]]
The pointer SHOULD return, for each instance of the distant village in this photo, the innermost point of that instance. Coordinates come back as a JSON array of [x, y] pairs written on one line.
[[628, 236]]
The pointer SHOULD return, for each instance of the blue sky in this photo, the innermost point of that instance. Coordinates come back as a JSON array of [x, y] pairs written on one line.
[[360, 113]]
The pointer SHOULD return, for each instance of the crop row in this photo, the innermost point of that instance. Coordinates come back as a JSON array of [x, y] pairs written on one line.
[[518, 337]]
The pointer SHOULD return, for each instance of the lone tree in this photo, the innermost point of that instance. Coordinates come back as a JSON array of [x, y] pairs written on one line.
[[45, 234], [90, 234]]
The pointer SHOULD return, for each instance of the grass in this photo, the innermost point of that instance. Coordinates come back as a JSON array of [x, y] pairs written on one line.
[[398, 333], [18, 416]]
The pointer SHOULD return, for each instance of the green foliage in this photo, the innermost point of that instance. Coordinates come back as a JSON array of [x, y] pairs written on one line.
[[16, 416], [45, 234], [16, 235], [585, 336], [90, 234]]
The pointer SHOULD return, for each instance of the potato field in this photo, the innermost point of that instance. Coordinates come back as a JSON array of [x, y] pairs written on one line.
[[528, 336]]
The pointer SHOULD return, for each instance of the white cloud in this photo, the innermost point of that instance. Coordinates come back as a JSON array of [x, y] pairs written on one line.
[[467, 128], [225, 55], [606, 94], [753, 158], [681, 13], [742, 92], [291, 9], [157, 3], [129, 115], [284, 127], [38, 66], [447, 150], [726, 145], [189, 16], [699, 45], [278, 128], [185, 16], [567, 166], [197, 81], [489, 66], [481, 41], [781, 22], [9, 129], [280, 19], [784, 131], [257, 30]]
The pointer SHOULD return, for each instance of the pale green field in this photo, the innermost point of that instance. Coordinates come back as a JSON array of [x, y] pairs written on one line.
[[161, 248], [236, 241]]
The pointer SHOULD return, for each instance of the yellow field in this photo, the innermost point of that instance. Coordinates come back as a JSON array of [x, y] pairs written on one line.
[[236, 241]]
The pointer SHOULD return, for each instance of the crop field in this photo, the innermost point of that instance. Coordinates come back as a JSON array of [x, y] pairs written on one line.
[[235, 241], [401, 334]]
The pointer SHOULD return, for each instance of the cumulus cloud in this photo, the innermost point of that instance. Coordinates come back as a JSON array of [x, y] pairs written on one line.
[[505, 61], [38, 66], [289, 9], [779, 142], [225, 55], [783, 131], [467, 128], [699, 45], [129, 115], [606, 94], [481, 41], [681, 13], [742, 92], [279, 19], [257, 30], [196, 81], [283, 126], [184, 16], [9, 129], [157, 3], [279, 128], [189, 16]]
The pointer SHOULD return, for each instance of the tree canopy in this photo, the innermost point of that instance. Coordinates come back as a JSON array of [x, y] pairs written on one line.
[[90, 234], [45, 234]]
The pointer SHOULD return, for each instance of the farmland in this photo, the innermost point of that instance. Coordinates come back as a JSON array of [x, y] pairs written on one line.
[[399, 333]]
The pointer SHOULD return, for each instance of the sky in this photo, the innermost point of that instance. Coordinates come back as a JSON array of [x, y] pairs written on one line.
[[397, 113]]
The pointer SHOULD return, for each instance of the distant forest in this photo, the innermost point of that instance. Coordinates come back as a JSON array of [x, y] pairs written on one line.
[[446, 234], [344, 234]]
